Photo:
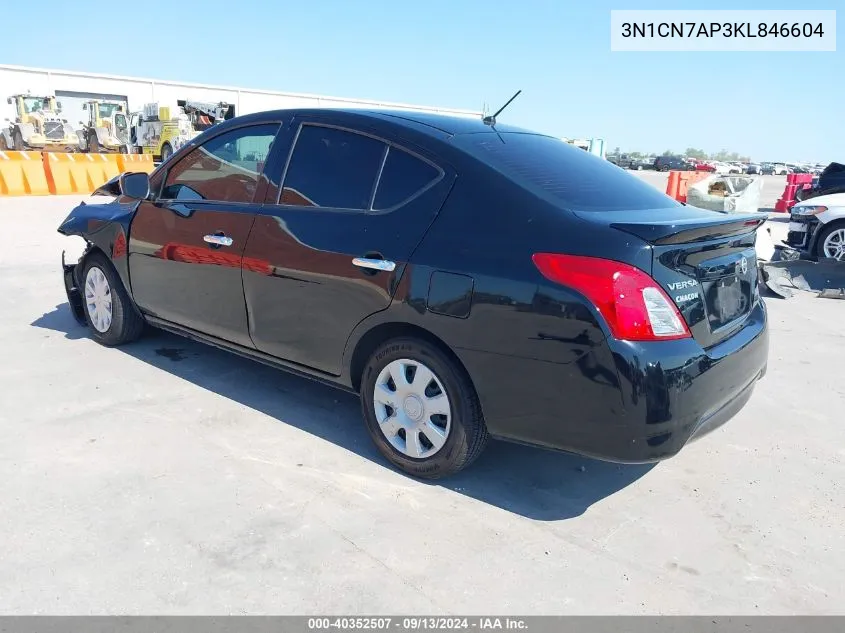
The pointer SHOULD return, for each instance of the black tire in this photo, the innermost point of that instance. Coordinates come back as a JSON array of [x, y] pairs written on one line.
[[126, 321], [823, 235], [468, 433], [17, 141], [93, 142], [664, 168], [166, 152], [3, 145]]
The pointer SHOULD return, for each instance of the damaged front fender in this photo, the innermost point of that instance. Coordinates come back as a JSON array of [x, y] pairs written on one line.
[[104, 227]]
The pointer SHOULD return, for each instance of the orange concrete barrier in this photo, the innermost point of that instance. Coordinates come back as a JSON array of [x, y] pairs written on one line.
[[673, 184], [691, 178], [22, 173], [67, 173], [135, 162], [678, 182], [101, 168]]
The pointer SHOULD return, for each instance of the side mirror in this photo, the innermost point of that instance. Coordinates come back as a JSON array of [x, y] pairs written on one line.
[[135, 185]]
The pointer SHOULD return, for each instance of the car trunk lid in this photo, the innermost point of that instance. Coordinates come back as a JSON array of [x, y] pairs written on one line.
[[704, 260]]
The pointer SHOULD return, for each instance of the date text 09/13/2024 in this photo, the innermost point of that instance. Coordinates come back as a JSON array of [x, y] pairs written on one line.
[[417, 623]]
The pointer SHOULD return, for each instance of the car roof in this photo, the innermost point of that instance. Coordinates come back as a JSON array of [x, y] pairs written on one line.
[[435, 123]]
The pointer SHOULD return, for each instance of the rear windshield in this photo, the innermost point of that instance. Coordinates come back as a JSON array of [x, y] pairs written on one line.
[[574, 177]]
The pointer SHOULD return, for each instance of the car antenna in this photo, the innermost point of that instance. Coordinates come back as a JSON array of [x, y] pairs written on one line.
[[490, 119]]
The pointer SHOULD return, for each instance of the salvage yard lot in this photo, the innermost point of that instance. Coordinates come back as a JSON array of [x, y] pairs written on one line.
[[170, 477]]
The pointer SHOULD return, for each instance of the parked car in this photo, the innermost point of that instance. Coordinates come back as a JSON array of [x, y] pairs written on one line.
[[466, 281], [721, 168], [667, 163], [702, 165], [779, 169], [642, 163], [622, 160], [817, 226], [766, 169], [753, 168]]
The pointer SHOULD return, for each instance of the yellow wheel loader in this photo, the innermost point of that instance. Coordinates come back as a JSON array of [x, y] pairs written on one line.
[[38, 125], [107, 129]]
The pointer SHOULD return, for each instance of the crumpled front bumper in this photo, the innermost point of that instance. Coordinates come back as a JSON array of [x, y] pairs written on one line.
[[74, 294], [801, 233]]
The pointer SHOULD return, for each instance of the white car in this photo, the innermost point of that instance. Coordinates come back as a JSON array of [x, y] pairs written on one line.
[[817, 226], [779, 169], [724, 168]]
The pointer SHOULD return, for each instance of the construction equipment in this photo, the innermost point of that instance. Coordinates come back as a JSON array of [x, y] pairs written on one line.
[[37, 126], [160, 130], [107, 129]]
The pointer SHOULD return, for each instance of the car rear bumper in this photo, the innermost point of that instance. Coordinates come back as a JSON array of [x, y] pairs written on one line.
[[625, 402]]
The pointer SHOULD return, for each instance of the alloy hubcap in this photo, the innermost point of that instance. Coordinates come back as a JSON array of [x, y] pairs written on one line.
[[412, 408], [834, 245], [98, 299]]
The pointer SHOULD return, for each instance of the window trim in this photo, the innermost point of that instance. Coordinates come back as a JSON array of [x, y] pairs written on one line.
[[190, 147], [441, 173]]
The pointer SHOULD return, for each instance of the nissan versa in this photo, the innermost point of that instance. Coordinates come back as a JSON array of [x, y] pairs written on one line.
[[467, 279]]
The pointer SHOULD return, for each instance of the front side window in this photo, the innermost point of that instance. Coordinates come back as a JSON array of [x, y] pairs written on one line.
[[225, 168], [332, 168]]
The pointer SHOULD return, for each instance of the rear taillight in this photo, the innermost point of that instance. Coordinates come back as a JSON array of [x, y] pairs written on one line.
[[634, 306]]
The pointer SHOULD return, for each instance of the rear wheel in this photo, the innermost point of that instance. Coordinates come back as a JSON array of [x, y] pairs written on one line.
[[111, 315], [17, 141], [93, 143], [421, 409], [3, 144], [832, 242]]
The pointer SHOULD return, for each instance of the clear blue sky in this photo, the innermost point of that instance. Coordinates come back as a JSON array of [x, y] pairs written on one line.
[[463, 53]]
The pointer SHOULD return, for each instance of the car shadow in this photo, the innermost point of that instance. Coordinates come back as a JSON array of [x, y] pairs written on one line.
[[535, 483]]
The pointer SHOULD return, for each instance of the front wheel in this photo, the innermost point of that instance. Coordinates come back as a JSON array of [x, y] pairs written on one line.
[[17, 141], [111, 315], [421, 409], [831, 242]]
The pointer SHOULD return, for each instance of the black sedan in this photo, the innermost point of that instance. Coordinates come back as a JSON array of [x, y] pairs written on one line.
[[467, 279]]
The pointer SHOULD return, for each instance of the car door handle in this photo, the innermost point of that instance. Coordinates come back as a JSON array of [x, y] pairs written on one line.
[[218, 240], [374, 264]]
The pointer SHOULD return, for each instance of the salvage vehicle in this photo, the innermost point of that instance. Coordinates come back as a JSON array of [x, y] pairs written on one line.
[[159, 130], [467, 279], [38, 125], [817, 226]]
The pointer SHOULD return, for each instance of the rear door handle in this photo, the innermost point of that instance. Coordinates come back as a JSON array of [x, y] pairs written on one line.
[[218, 240], [374, 264]]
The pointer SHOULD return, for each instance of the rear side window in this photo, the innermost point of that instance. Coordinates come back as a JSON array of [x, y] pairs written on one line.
[[577, 179], [225, 168], [332, 168], [402, 177]]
